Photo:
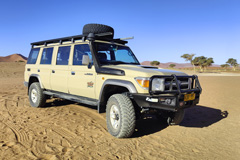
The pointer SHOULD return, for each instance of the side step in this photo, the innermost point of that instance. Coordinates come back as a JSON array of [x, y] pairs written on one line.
[[78, 99]]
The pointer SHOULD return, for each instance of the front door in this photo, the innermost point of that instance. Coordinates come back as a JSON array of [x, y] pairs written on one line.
[[81, 79]]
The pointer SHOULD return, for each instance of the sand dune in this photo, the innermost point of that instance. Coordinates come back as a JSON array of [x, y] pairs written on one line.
[[13, 58], [67, 130]]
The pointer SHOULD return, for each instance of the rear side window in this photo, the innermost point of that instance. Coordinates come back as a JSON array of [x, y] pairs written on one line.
[[32, 58], [79, 51], [46, 56], [63, 55]]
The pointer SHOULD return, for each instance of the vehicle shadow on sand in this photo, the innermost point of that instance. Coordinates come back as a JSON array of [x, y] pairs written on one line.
[[198, 116], [148, 126], [202, 116], [57, 103]]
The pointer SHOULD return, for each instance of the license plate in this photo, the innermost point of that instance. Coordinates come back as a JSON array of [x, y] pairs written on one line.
[[189, 97]]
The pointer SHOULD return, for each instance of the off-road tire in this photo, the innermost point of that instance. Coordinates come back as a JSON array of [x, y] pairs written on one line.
[[98, 28], [177, 117], [126, 113], [40, 97]]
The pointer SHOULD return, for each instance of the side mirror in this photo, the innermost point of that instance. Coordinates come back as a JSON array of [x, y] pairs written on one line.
[[85, 60]]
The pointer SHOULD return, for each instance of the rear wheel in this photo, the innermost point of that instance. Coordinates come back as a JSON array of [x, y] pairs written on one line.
[[36, 96], [120, 115]]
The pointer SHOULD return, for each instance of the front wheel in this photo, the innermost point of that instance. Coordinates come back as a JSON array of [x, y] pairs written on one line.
[[36, 96], [120, 115]]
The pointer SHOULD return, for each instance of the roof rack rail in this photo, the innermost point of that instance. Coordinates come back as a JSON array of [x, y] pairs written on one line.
[[99, 36]]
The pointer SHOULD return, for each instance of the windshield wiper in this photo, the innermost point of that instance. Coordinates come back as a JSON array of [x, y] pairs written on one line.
[[117, 62]]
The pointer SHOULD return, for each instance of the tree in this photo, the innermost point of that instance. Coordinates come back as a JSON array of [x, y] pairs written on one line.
[[208, 62], [233, 63], [225, 66], [198, 61], [189, 57], [172, 65], [155, 63], [203, 62]]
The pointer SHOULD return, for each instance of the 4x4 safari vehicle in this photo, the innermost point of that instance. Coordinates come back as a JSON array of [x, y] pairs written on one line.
[[98, 70]]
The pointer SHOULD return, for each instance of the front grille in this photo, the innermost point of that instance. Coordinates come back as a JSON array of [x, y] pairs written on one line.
[[184, 83]]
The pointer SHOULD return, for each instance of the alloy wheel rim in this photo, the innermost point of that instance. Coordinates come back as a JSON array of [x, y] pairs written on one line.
[[115, 117], [34, 95]]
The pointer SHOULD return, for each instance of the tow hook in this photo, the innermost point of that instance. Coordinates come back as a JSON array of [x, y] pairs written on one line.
[[144, 110]]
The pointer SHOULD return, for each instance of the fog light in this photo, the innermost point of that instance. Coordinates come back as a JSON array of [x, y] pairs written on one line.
[[168, 101]]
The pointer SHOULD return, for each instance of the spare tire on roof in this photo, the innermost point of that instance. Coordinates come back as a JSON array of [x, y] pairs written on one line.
[[97, 28]]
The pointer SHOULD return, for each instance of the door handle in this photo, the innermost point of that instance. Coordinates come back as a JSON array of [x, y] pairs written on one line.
[[28, 69], [38, 70], [53, 71], [72, 73]]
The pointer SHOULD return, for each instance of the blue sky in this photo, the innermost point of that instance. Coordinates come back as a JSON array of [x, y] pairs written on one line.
[[163, 30]]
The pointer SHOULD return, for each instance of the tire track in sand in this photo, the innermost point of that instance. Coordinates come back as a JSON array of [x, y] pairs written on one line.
[[69, 136], [40, 150], [21, 136]]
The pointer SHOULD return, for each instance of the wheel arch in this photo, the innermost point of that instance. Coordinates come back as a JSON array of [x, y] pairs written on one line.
[[34, 78], [112, 86]]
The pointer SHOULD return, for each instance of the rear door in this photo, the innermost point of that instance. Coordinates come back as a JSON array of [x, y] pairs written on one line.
[[44, 69], [82, 77], [60, 70]]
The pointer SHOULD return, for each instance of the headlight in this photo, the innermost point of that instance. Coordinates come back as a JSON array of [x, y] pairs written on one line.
[[158, 84], [143, 82]]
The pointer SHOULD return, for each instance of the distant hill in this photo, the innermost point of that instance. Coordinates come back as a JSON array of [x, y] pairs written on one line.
[[178, 65], [13, 58]]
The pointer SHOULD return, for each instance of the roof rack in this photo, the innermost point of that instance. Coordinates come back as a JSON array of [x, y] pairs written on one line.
[[100, 36]]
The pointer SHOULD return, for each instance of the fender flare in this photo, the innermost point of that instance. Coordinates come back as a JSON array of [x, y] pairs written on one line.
[[122, 83], [38, 77]]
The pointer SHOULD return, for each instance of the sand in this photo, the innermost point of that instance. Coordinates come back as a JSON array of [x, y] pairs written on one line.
[[67, 130]]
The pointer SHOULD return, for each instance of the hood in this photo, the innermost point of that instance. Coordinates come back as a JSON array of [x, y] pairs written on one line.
[[143, 71]]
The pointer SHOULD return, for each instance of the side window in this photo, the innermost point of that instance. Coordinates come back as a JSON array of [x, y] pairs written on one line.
[[63, 55], [32, 58], [79, 51], [46, 56]]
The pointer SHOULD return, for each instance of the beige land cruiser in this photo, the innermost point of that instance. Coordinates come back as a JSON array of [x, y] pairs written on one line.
[[98, 70]]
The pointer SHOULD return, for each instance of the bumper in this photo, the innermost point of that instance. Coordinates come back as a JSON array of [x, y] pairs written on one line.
[[25, 84], [172, 97], [167, 102]]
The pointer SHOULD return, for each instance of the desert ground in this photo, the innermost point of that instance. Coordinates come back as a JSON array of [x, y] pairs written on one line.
[[67, 130]]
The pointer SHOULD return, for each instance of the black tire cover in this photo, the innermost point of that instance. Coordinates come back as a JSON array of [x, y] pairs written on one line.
[[97, 28]]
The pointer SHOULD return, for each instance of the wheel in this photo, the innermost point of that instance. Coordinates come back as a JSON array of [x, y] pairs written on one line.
[[120, 115], [177, 117], [36, 96], [97, 28]]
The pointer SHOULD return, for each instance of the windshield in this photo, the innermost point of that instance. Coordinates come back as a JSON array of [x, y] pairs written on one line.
[[114, 54]]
